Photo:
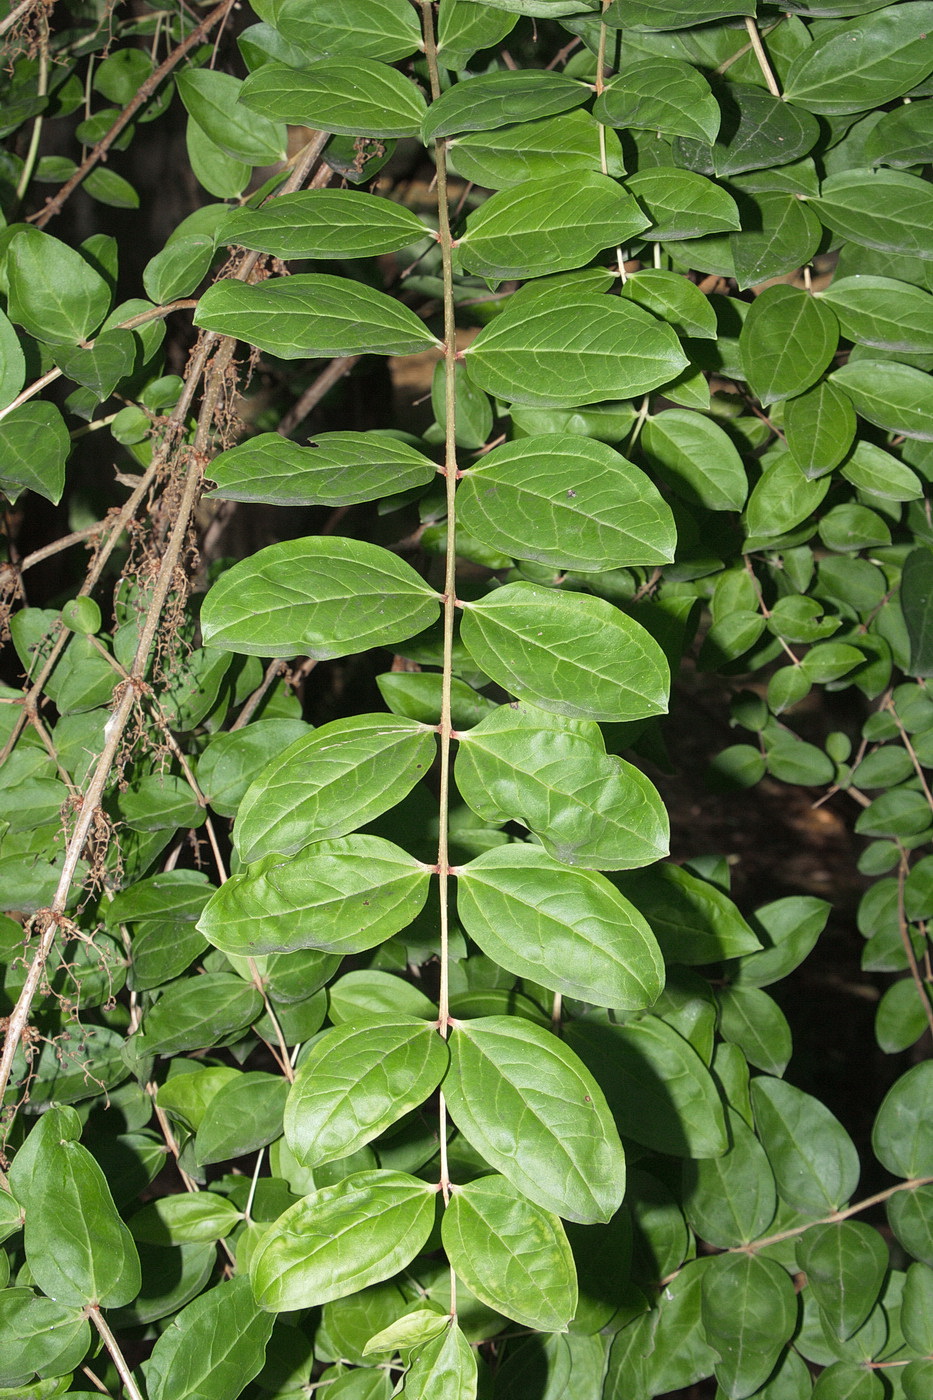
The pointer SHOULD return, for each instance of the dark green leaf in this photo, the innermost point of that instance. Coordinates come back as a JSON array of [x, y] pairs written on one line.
[[351, 96], [812, 1156], [53, 291], [751, 1019], [211, 99], [693, 921], [819, 426], [731, 1199], [39, 1336], [682, 204], [864, 63], [780, 233], [661, 95], [492, 100], [34, 447], [749, 1311], [845, 1263], [214, 1346], [902, 1137], [917, 603], [787, 341], [198, 1012], [243, 1115]]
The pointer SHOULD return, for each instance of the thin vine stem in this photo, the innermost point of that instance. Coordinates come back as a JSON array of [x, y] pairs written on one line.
[[113, 1346]]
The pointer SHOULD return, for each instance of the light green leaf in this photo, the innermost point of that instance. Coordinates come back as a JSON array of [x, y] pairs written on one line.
[[893, 396], [334, 469], [445, 1369], [730, 1200], [819, 426], [568, 501], [34, 448], [511, 1254], [320, 597], [313, 314], [341, 896], [357, 1080], [569, 653], [368, 992], [244, 1115], [350, 96], [568, 930], [536, 228], [220, 174], [865, 63], [662, 95], [696, 458], [528, 1105], [588, 808], [212, 1348], [342, 1238], [682, 204], [325, 224], [211, 99], [54, 293], [782, 498], [846, 1263], [751, 1019], [39, 1336], [885, 209], [464, 27], [552, 146], [673, 299], [792, 927], [384, 29], [876, 473], [201, 1217], [787, 340], [749, 1311], [815, 1164], [231, 760], [198, 1012], [902, 1137], [693, 921], [492, 100], [411, 1329], [337, 778], [560, 356], [883, 312]]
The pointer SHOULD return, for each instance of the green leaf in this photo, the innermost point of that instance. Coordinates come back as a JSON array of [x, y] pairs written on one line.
[[749, 1311], [342, 1238], [893, 396], [819, 426], [54, 293], [875, 472], [357, 1080], [12, 363], [731, 1199], [371, 992], [334, 469], [192, 1219], [341, 896], [815, 1164], [588, 808], [384, 29], [693, 921], [569, 653], [39, 1336], [464, 27], [917, 604], [320, 597], [350, 96], [660, 1091], [77, 1248], [902, 1137], [198, 1012], [211, 99], [212, 1348], [526, 1103], [312, 314], [101, 366], [107, 187], [787, 341], [243, 1115], [492, 100], [230, 761], [673, 299], [792, 927], [885, 209], [846, 1263], [751, 1019], [846, 1380], [682, 204], [782, 498], [445, 1369], [566, 501], [338, 778], [411, 1329], [864, 63], [220, 174], [568, 930], [883, 312], [696, 458], [917, 1308], [758, 131], [902, 137], [179, 268], [780, 233], [561, 356], [325, 224], [534, 229], [34, 447], [511, 1254], [662, 95], [553, 146]]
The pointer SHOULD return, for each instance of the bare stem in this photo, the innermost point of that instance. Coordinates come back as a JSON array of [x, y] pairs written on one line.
[[762, 57], [113, 1346]]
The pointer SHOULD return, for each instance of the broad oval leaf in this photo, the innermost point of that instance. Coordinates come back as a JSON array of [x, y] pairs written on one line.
[[350, 96], [696, 458], [890, 210], [358, 1079], [693, 920], [511, 1254], [537, 228], [383, 29], [815, 1164], [682, 204], [325, 224], [211, 99], [313, 314], [566, 501], [491, 100], [320, 597], [883, 312], [569, 930], [569, 653], [893, 396], [34, 448], [334, 469], [661, 94], [781, 234], [341, 896], [731, 1200], [552, 146], [916, 594], [444, 1369], [587, 807], [53, 292], [749, 1311], [244, 1115], [532, 1110], [864, 63], [340, 1239], [39, 1336], [199, 1012], [787, 340], [199, 1217], [902, 1137], [846, 1263], [819, 426], [335, 779], [213, 1347], [561, 356]]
